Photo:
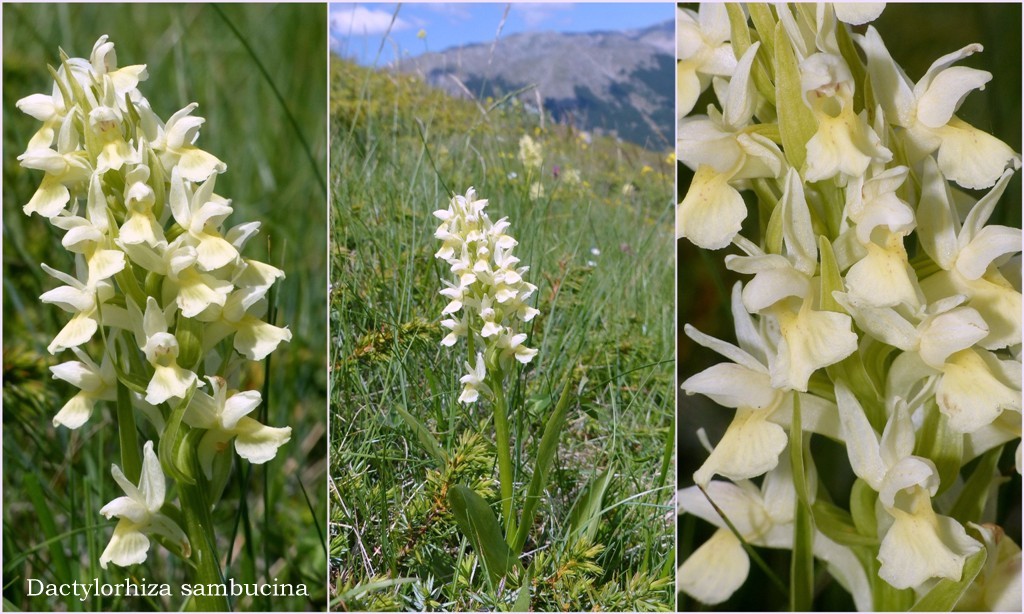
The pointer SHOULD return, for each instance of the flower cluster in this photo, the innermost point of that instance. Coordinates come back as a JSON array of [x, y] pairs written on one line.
[[879, 302], [159, 279], [488, 297]]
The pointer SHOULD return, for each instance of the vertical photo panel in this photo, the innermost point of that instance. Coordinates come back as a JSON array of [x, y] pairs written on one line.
[[849, 307], [501, 307], [164, 268]]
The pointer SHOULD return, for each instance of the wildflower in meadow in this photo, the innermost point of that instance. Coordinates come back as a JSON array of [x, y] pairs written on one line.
[[489, 298], [159, 276]]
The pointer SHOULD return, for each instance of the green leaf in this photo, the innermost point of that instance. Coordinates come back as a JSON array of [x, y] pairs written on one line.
[[522, 603], [424, 436], [837, 525], [545, 456], [946, 594], [480, 526], [585, 518], [971, 502], [131, 461], [941, 444], [795, 120], [41, 507]]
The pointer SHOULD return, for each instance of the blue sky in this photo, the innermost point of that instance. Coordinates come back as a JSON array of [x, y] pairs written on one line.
[[358, 29]]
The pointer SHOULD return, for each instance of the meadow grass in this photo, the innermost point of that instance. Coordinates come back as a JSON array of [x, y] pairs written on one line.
[[258, 73], [601, 252]]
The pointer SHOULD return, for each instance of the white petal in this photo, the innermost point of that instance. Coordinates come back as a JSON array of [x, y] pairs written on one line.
[[712, 212], [125, 507], [238, 405], [258, 443], [732, 385], [946, 92], [950, 332], [800, 239], [989, 244], [750, 447], [862, 444], [970, 395], [202, 411], [884, 277], [726, 349], [810, 340], [256, 339], [882, 323], [214, 252], [973, 158], [77, 331], [688, 88], [127, 547], [715, 570], [738, 107], [858, 13], [197, 165], [164, 526], [922, 546], [168, 382], [75, 412], [151, 483], [742, 504]]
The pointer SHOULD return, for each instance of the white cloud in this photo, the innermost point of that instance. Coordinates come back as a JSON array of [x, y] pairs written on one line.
[[452, 10], [540, 14], [356, 20]]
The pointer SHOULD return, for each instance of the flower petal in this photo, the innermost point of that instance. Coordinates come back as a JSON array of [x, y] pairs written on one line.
[[258, 443], [715, 570], [732, 385], [712, 212], [127, 546], [971, 157], [750, 447], [970, 395]]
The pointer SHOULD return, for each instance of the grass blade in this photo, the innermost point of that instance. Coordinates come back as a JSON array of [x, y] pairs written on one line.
[[424, 436]]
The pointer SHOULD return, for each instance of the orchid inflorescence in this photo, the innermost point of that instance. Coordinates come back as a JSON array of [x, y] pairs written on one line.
[[488, 297], [881, 311], [178, 308]]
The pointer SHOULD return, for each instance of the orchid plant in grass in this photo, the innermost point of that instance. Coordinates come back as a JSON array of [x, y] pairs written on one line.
[[490, 307], [879, 309], [166, 311]]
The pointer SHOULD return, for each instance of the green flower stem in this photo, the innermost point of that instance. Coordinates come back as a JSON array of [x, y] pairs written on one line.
[[199, 527], [503, 444], [131, 462]]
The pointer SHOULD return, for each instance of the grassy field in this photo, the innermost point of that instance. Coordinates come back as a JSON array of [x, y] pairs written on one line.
[[233, 60], [601, 251]]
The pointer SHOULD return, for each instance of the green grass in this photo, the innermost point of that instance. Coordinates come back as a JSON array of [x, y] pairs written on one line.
[[607, 321], [233, 60]]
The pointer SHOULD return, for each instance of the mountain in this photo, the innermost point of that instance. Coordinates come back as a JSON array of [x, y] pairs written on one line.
[[620, 83]]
